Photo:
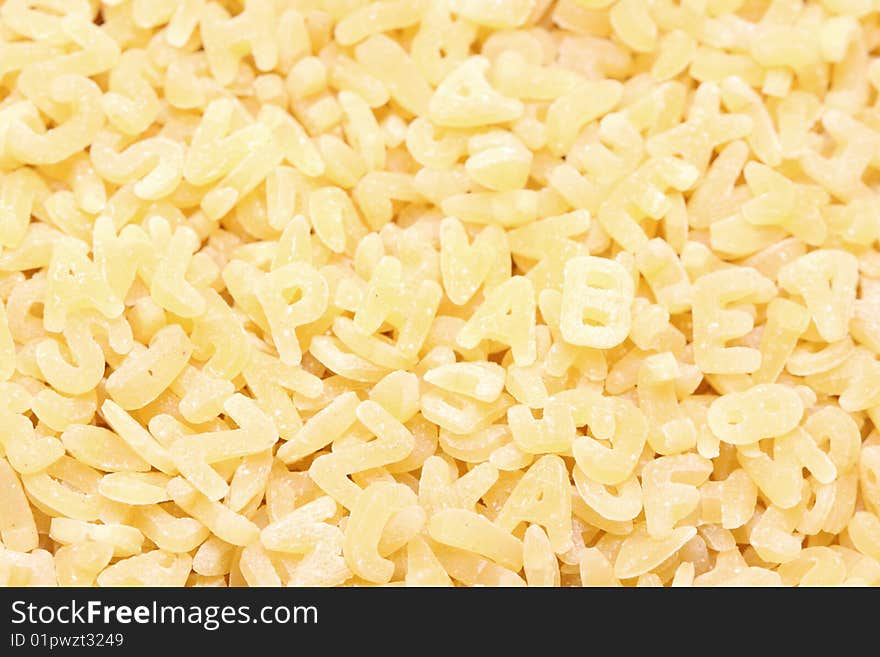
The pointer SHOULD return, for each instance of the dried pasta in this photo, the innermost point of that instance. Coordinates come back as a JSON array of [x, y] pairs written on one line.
[[439, 293]]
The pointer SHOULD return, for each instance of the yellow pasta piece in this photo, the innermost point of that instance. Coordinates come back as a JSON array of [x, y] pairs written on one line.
[[422, 566], [621, 423], [712, 294], [864, 532], [322, 428], [596, 570], [470, 531], [664, 272], [543, 497], [17, 527], [773, 538], [126, 541], [134, 488], [256, 567], [75, 283], [146, 373], [66, 488], [60, 142], [363, 532], [730, 502], [155, 568], [79, 564], [826, 279], [507, 14], [670, 490], [193, 455], [596, 302], [465, 267], [670, 431], [779, 476], [394, 442], [640, 552], [25, 450], [570, 112], [763, 411], [507, 315], [465, 99], [439, 488], [101, 449], [786, 322], [483, 381], [222, 521], [620, 504], [388, 62], [553, 433], [301, 530], [36, 568], [138, 438]]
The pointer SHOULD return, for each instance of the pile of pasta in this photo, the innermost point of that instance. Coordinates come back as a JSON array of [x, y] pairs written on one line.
[[439, 292]]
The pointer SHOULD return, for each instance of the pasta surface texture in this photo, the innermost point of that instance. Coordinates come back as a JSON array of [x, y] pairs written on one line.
[[439, 292]]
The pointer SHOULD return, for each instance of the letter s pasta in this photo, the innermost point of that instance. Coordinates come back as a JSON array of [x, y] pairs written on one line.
[[439, 293]]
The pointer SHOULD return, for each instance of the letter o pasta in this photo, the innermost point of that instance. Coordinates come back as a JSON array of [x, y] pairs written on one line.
[[456, 293]]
